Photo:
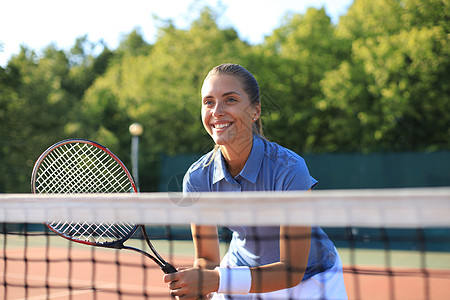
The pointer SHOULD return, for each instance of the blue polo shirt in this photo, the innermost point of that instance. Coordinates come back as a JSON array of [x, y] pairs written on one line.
[[269, 167]]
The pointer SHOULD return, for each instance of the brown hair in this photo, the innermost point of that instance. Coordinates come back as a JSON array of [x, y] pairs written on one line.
[[249, 84]]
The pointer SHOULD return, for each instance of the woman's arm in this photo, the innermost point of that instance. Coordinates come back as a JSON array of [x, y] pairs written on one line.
[[288, 272], [206, 245], [295, 242]]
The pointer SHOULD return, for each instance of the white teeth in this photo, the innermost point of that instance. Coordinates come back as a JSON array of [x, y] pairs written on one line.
[[222, 126]]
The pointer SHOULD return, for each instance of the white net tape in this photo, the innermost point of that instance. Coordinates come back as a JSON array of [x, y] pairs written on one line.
[[388, 208]]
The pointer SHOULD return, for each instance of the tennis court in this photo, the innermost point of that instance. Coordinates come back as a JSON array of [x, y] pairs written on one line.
[[99, 274], [37, 264]]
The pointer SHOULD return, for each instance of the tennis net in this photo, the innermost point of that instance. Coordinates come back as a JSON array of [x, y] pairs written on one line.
[[394, 243]]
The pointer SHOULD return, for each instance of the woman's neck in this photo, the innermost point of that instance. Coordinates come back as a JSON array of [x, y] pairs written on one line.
[[236, 156]]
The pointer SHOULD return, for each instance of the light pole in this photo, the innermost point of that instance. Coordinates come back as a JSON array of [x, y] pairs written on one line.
[[136, 130]]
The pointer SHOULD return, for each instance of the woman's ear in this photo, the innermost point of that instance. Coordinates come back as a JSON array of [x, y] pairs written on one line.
[[257, 112]]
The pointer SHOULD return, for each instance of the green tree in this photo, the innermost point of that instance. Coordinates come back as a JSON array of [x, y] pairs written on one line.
[[161, 90], [133, 44], [393, 94], [427, 13], [294, 59], [366, 19], [39, 101], [34, 109], [85, 65], [376, 81]]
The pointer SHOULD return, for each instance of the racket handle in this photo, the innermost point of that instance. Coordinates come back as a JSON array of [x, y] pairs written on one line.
[[168, 268]]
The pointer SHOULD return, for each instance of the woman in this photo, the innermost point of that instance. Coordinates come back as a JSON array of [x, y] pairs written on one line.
[[262, 262]]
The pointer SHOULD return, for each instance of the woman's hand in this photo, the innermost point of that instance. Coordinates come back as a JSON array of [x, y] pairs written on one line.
[[192, 283]]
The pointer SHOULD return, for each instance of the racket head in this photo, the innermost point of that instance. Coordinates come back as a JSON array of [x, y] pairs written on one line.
[[82, 166]]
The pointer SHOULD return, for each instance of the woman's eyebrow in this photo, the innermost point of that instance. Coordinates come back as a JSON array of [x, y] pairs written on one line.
[[231, 93], [224, 94]]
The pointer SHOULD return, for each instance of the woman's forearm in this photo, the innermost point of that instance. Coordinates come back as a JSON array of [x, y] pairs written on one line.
[[276, 276], [203, 263]]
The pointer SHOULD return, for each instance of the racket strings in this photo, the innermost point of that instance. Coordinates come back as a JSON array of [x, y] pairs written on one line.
[[81, 168], [99, 233], [93, 165], [56, 173]]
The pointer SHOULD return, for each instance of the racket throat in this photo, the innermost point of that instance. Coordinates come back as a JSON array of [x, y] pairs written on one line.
[[168, 268], [160, 264], [165, 266]]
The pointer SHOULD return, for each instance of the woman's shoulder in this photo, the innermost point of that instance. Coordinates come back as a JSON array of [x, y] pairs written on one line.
[[289, 168], [281, 155], [196, 178]]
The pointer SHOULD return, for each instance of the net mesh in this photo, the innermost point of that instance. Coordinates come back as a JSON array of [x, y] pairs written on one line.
[[394, 244]]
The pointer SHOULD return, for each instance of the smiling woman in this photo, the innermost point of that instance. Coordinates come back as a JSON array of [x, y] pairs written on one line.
[[229, 114], [275, 262]]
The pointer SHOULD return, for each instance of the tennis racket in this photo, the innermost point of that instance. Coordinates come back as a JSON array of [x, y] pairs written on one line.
[[82, 166]]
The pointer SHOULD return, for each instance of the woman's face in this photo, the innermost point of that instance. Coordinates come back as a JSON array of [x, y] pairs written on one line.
[[227, 112]]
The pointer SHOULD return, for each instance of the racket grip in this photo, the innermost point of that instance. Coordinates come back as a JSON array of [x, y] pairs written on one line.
[[168, 268]]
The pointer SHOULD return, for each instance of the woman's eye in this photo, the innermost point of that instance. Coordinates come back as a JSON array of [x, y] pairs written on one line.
[[231, 99]]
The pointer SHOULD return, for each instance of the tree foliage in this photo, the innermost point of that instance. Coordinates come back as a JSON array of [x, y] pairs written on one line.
[[376, 81], [395, 86]]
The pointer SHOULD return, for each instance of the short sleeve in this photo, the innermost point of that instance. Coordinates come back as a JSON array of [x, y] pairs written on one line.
[[187, 184], [298, 177]]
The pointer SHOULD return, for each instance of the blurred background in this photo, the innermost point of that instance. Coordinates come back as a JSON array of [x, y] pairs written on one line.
[[362, 91]]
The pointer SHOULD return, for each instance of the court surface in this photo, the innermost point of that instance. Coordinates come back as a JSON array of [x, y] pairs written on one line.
[[124, 274]]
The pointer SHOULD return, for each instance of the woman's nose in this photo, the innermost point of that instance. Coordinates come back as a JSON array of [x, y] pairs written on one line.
[[218, 110]]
